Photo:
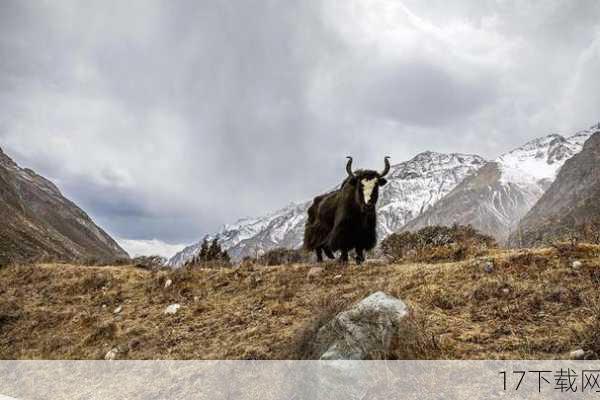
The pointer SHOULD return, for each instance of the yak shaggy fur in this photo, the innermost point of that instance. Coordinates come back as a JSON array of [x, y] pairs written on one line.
[[345, 219]]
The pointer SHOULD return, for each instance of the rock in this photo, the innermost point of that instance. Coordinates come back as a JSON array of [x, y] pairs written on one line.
[[172, 309], [168, 283], [112, 354], [488, 267], [313, 273], [118, 309], [364, 331], [578, 354], [576, 264]]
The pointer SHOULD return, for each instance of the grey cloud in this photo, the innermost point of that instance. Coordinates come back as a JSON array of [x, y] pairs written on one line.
[[166, 119], [400, 92]]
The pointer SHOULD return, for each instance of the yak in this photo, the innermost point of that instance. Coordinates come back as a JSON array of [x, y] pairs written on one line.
[[345, 219]]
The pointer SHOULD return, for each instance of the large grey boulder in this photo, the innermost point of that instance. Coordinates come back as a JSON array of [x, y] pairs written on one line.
[[364, 331]]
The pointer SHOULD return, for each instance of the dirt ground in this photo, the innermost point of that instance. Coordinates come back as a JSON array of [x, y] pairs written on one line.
[[533, 304]]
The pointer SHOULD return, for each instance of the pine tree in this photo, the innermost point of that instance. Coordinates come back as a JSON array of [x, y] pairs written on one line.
[[214, 251], [225, 257], [202, 255]]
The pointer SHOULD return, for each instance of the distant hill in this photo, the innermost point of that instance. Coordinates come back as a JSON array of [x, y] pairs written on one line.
[[37, 220], [495, 198], [572, 201]]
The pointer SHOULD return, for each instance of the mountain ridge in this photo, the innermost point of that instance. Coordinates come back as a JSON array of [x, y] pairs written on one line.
[[495, 198], [39, 221], [571, 201]]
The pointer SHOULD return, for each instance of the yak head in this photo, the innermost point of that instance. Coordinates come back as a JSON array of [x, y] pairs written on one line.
[[363, 185]]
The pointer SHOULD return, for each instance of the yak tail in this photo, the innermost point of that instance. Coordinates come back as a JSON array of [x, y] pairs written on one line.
[[314, 234]]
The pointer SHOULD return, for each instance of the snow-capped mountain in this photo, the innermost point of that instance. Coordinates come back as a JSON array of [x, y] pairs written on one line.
[[572, 200], [413, 187], [495, 198]]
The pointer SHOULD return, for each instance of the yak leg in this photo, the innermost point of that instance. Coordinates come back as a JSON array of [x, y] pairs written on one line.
[[344, 256], [319, 254], [360, 256], [328, 252]]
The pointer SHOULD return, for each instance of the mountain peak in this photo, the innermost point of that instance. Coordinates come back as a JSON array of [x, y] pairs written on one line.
[[427, 154], [540, 159]]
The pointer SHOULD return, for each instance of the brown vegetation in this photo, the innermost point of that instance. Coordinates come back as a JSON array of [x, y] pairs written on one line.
[[281, 256], [437, 243], [532, 304]]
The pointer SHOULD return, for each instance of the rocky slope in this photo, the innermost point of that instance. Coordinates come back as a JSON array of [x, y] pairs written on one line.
[[572, 200], [495, 198], [36, 220], [413, 187]]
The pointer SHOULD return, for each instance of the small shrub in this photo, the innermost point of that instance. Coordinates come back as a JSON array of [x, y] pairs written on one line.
[[591, 334], [414, 340], [437, 243], [151, 263], [96, 261], [282, 256], [570, 250], [95, 282], [523, 258]]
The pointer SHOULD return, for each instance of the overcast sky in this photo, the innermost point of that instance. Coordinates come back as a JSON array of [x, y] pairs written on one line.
[[164, 120]]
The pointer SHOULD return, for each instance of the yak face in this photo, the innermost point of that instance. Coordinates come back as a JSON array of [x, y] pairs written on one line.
[[369, 189], [365, 185]]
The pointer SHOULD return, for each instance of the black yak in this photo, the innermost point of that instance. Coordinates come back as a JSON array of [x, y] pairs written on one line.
[[345, 219]]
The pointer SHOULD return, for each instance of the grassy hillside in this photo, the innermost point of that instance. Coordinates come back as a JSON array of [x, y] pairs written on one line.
[[533, 304]]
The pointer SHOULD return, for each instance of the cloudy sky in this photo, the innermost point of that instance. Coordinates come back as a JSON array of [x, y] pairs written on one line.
[[164, 120]]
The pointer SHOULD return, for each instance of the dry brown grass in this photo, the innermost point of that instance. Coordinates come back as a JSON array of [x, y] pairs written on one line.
[[533, 305]]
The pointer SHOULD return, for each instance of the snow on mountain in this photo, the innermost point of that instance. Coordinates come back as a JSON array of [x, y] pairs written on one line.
[[573, 199], [416, 185], [413, 187], [540, 159], [495, 198]]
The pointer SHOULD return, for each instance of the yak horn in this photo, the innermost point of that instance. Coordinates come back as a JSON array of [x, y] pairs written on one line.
[[349, 166], [386, 169]]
